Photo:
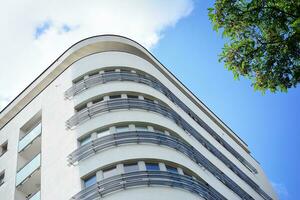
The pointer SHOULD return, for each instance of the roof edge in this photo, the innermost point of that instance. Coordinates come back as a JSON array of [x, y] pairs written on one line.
[[149, 57]]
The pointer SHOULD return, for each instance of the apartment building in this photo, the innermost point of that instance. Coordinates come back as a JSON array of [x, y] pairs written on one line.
[[108, 121]]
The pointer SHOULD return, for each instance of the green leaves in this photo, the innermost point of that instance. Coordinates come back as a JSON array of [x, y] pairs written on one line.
[[264, 41]]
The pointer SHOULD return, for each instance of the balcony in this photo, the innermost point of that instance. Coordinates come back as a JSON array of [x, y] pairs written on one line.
[[146, 179], [30, 137], [28, 170]]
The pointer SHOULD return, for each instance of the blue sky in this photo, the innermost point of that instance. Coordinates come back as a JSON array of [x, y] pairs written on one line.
[[269, 124]]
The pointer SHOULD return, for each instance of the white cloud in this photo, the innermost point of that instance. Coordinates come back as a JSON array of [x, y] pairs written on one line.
[[34, 33], [281, 190]]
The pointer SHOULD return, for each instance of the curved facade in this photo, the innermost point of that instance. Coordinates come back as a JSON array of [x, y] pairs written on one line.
[[107, 120]]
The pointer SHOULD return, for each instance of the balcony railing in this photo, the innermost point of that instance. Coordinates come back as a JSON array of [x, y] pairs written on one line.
[[145, 137], [36, 196], [144, 179], [156, 84], [116, 104], [28, 169], [30, 137]]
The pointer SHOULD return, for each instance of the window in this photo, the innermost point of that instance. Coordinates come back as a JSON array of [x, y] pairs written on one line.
[[125, 70], [102, 133], [133, 167], [110, 172], [90, 181], [3, 148], [81, 107], [2, 175], [109, 70], [141, 128], [147, 99], [132, 96], [97, 100], [85, 140], [115, 97], [122, 129], [159, 131], [172, 169], [152, 166]]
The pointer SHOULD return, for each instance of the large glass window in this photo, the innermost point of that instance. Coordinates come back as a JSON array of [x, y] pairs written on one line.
[[172, 169], [90, 181], [85, 140], [133, 167], [110, 172], [152, 166]]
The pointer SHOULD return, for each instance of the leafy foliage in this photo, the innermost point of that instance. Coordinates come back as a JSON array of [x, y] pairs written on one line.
[[263, 40]]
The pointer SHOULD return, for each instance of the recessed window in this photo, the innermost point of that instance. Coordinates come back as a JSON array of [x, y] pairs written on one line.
[[90, 181], [97, 100], [81, 107], [110, 172], [132, 96], [152, 166], [115, 96], [131, 167], [85, 140], [3, 148], [141, 128], [2, 176], [102, 133], [94, 73], [125, 70], [109, 70], [159, 131], [147, 99], [172, 169], [122, 129]]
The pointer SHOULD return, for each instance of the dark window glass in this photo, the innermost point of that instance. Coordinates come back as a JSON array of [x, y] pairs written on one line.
[[109, 70], [85, 140], [3, 148], [132, 96], [94, 73], [2, 175], [152, 166], [125, 70], [81, 107], [115, 97], [172, 169], [98, 100], [90, 181], [131, 167]]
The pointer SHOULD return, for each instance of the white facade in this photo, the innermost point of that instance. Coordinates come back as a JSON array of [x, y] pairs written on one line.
[[106, 119]]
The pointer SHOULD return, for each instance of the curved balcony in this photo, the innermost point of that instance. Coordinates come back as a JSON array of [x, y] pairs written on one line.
[[146, 137], [116, 104], [144, 179], [156, 84]]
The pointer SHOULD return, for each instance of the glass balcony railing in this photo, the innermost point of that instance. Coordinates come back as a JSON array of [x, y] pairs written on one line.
[[36, 196], [27, 139], [28, 169]]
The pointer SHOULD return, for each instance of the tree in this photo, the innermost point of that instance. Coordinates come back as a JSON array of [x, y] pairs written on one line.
[[263, 40]]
